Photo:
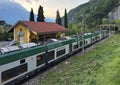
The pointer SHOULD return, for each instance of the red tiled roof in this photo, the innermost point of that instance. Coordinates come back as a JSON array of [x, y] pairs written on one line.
[[44, 27]]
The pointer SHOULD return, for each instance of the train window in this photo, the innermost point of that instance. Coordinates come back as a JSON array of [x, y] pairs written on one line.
[[22, 69], [75, 46], [0, 52], [51, 55], [39, 59], [80, 43], [60, 52], [6, 75], [96, 37], [86, 42], [22, 61]]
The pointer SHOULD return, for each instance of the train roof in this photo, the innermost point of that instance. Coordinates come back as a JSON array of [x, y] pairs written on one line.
[[29, 51], [20, 54]]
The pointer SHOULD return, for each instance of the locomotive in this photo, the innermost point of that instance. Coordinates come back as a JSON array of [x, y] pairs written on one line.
[[19, 62]]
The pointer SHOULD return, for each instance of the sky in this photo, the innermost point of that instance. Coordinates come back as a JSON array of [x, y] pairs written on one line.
[[50, 6]]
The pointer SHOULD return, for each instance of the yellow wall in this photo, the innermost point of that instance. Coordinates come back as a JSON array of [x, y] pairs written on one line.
[[25, 30]]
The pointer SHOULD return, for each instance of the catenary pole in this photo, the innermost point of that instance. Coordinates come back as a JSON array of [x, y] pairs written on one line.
[[83, 36]]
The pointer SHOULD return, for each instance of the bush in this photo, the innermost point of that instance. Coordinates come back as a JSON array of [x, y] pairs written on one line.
[[6, 36]]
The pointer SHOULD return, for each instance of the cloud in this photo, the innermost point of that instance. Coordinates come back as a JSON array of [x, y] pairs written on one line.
[[29, 1], [12, 0], [50, 6]]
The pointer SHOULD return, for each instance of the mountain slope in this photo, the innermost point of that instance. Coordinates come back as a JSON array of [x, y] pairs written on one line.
[[11, 12], [92, 12]]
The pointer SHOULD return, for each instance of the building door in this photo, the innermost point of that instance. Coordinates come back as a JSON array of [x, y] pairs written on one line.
[[21, 36], [21, 40]]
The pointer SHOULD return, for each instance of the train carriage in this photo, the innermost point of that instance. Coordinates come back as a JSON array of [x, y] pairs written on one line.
[[22, 61]]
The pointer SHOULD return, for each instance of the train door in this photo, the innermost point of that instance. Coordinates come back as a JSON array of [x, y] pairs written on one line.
[[91, 40], [31, 63], [70, 48], [21, 40]]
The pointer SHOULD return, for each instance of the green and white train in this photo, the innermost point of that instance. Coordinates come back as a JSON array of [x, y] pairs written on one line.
[[18, 62]]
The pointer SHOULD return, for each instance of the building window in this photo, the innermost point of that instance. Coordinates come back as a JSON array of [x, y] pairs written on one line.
[[21, 33], [21, 29]]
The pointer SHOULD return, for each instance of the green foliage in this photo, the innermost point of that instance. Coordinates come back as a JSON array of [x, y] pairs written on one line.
[[32, 15], [2, 36], [105, 21], [117, 22], [99, 66], [65, 19], [77, 28], [93, 12], [40, 16], [2, 22], [3, 29], [74, 28], [6, 36], [58, 19]]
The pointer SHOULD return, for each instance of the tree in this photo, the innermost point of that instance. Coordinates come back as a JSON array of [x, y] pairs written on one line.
[[31, 15], [40, 16], [117, 22], [65, 19], [2, 22], [105, 21], [58, 19]]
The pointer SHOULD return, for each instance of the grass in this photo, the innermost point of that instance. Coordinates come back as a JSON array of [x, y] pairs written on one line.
[[99, 66]]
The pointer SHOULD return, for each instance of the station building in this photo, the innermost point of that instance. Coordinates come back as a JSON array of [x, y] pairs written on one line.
[[28, 31]]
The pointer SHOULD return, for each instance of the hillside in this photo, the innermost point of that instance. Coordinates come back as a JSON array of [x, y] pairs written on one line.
[[11, 12], [93, 12], [99, 66]]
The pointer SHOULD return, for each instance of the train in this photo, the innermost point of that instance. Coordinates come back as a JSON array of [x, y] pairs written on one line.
[[19, 62]]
